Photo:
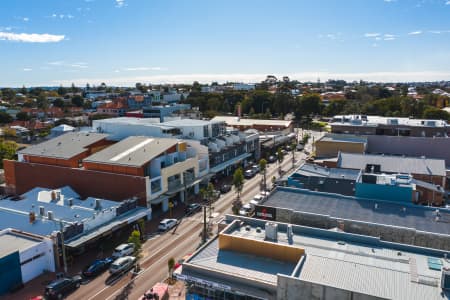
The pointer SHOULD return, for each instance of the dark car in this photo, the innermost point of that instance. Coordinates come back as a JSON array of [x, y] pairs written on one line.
[[249, 174], [193, 207], [97, 267], [272, 159], [60, 288], [225, 188]]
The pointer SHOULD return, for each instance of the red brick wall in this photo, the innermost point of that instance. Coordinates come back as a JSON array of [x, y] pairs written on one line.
[[87, 183]]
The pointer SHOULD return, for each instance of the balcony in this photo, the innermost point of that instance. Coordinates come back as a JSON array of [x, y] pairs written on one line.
[[174, 184]]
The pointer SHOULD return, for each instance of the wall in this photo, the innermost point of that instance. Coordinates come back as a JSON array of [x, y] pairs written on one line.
[[332, 148], [42, 259], [87, 183], [385, 192], [10, 273], [178, 168], [110, 168]]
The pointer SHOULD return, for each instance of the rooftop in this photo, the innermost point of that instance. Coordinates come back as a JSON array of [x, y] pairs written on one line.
[[342, 260], [393, 164], [133, 151], [351, 208], [329, 137], [362, 120], [14, 242], [236, 121], [307, 169], [64, 146]]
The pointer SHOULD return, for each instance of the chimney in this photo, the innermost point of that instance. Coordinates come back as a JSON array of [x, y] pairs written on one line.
[[50, 215], [53, 195], [32, 217], [41, 211]]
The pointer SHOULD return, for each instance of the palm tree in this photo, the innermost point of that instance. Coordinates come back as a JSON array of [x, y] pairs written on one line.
[[262, 169]]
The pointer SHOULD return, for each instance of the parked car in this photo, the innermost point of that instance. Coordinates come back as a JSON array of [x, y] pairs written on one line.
[[255, 169], [272, 159], [246, 210], [97, 267], [249, 174], [225, 188], [123, 250], [60, 288], [122, 264], [300, 147], [167, 224], [193, 207]]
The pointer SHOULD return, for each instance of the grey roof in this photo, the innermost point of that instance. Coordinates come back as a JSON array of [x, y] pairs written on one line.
[[352, 208], [132, 151], [189, 122], [13, 242], [393, 164], [330, 137], [64, 146], [308, 169]]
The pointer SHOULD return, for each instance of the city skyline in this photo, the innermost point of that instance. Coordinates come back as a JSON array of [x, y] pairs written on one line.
[[121, 42]]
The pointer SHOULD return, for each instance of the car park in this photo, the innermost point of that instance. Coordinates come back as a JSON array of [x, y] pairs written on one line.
[[122, 264], [60, 288], [97, 267], [225, 188], [167, 224], [123, 250]]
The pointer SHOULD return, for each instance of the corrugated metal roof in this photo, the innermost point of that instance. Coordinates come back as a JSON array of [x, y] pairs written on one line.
[[393, 164]]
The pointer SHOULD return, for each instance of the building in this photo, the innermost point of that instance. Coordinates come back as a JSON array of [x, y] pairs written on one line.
[[256, 259], [330, 180], [329, 145], [400, 188], [23, 256], [153, 170], [261, 125], [61, 129], [425, 169], [243, 86], [376, 125], [163, 111], [48, 212], [226, 148], [395, 222]]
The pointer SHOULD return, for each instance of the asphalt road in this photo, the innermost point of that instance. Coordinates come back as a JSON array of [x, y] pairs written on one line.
[[176, 243]]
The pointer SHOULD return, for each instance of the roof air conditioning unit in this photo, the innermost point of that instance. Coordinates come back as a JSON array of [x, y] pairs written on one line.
[[271, 231], [50, 215], [41, 211]]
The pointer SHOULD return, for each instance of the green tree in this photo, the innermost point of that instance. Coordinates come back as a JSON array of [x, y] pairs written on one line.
[[263, 170], [238, 183], [62, 90], [42, 101], [78, 100], [7, 150], [5, 118], [135, 238], [58, 103], [436, 113], [22, 116], [171, 265]]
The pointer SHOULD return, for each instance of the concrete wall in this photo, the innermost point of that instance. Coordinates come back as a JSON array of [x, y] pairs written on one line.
[[293, 288], [384, 232], [332, 148], [395, 193]]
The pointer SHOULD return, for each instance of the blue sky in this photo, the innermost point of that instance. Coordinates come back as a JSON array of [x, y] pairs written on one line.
[[120, 42]]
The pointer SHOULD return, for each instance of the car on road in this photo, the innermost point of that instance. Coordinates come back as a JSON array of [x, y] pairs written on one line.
[[246, 210], [192, 208], [249, 174], [123, 250], [97, 267], [272, 159], [122, 264], [300, 147], [60, 288], [167, 224], [255, 169], [225, 188]]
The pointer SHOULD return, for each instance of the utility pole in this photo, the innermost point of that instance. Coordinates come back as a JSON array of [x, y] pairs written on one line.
[[204, 224], [63, 247]]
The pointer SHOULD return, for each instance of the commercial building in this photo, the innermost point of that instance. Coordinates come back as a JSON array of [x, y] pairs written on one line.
[[376, 125], [256, 259], [162, 112], [281, 126], [330, 145], [425, 169], [330, 180], [23, 256], [396, 222]]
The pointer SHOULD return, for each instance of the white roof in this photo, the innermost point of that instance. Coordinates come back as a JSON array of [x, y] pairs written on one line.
[[236, 121]]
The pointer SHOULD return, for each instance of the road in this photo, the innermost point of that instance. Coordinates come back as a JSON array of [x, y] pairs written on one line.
[[182, 240]]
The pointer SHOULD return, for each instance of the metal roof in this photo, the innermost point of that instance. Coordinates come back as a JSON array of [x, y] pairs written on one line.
[[352, 208], [64, 146], [13, 242], [133, 151], [330, 137], [393, 164], [236, 121], [307, 169]]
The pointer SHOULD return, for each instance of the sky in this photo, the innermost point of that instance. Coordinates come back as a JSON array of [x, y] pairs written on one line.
[[121, 42]]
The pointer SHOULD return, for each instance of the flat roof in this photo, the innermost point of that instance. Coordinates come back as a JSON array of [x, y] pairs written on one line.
[[393, 164], [64, 146], [14, 242], [133, 151], [351, 208], [342, 260], [344, 138], [236, 121], [357, 120], [307, 169]]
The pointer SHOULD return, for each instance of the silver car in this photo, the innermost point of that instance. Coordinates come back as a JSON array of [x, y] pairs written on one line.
[[122, 264]]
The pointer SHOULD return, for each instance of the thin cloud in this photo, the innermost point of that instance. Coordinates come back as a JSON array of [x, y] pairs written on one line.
[[415, 32], [31, 37], [447, 3], [374, 34], [26, 19], [61, 63], [27, 69], [145, 69], [120, 3]]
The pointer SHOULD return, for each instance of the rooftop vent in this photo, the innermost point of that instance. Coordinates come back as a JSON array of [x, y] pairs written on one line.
[[247, 228], [41, 211], [50, 215], [258, 229], [271, 231]]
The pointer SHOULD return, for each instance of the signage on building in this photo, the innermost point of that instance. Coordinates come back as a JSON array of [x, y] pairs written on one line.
[[203, 282], [266, 213]]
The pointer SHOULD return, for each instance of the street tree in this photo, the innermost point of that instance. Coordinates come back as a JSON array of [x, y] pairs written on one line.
[[263, 170], [171, 265], [238, 183], [135, 238]]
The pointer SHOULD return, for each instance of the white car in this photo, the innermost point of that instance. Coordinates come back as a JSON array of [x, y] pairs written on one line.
[[246, 210], [123, 250], [122, 264], [167, 224]]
